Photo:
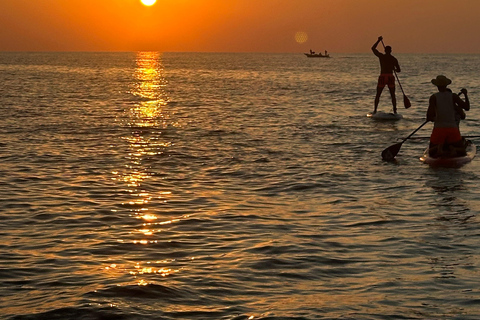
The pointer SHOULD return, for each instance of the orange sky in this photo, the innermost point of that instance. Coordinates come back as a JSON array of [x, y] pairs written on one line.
[[437, 26]]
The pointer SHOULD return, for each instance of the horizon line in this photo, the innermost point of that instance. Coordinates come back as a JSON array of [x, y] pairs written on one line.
[[221, 52]]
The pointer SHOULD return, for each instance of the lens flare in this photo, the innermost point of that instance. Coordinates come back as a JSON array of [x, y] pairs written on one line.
[[301, 37]]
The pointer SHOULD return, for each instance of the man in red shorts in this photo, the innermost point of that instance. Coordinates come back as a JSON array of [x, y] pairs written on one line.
[[443, 107], [388, 64]]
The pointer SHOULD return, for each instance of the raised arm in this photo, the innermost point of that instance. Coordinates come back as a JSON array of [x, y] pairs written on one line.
[[374, 47], [463, 104]]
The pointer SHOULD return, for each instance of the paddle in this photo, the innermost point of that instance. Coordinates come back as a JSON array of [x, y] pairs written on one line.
[[423, 138], [406, 101], [390, 153]]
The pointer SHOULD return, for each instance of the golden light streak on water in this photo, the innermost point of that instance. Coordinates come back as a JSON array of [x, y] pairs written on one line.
[[149, 269], [149, 217], [147, 113], [146, 232], [142, 283], [112, 266], [146, 118]]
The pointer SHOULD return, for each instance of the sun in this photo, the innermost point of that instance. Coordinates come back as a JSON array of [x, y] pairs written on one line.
[[149, 2]]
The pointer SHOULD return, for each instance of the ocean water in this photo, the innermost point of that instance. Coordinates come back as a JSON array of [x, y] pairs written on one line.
[[230, 186]]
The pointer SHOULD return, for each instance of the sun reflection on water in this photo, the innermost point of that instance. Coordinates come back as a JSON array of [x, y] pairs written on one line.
[[147, 119]]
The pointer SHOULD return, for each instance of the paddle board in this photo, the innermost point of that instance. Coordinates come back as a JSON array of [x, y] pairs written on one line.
[[380, 115], [452, 162]]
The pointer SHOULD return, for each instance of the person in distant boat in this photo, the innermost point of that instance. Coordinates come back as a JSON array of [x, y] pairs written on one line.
[[443, 108], [388, 65]]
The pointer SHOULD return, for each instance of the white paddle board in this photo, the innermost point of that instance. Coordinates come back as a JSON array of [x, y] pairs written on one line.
[[380, 115]]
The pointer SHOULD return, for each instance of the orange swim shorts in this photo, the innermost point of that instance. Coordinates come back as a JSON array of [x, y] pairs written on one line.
[[386, 79], [445, 135]]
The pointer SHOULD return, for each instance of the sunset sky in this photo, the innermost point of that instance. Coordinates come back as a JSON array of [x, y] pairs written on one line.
[[429, 26]]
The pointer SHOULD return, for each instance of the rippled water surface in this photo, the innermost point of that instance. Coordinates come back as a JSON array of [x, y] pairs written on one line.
[[229, 186]]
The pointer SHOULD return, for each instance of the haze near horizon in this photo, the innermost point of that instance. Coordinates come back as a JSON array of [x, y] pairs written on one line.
[[347, 26]]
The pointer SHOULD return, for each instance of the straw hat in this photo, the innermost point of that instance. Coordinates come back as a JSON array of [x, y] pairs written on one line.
[[441, 81]]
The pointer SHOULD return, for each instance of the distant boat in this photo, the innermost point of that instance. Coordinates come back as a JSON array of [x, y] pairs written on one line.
[[312, 54]]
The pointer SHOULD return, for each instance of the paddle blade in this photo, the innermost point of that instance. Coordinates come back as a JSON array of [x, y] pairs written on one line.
[[406, 102], [390, 153]]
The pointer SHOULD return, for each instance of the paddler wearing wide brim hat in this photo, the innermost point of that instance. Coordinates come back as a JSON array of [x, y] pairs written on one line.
[[442, 110], [441, 81]]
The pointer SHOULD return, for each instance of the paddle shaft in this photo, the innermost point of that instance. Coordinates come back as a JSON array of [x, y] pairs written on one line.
[[411, 134], [422, 138], [390, 153]]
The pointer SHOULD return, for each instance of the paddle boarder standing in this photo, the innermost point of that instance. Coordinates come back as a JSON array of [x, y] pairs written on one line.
[[443, 108], [388, 65]]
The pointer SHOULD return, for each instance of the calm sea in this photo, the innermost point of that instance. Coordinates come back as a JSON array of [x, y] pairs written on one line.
[[230, 186]]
